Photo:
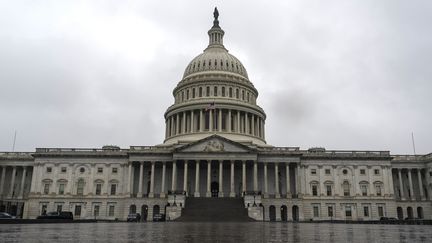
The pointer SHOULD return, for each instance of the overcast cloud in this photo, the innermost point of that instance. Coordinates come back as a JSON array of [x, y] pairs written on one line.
[[336, 74]]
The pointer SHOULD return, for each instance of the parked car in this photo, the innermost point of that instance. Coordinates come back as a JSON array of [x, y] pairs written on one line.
[[159, 217], [4, 215], [133, 217], [57, 215]]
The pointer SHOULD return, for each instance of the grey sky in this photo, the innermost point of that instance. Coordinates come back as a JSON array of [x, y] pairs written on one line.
[[336, 74]]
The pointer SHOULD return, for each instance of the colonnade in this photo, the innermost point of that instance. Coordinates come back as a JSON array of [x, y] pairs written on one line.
[[174, 187], [409, 172], [11, 191], [218, 120]]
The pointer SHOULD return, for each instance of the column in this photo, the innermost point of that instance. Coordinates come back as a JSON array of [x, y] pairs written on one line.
[[185, 177], [140, 185], [208, 194], [23, 181], [162, 194], [201, 121], [221, 178], [277, 194], [177, 123], [166, 128], [151, 193], [255, 176], [192, 121], [390, 181], [210, 120], [174, 177], [253, 124], [197, 175], [183, 123], [247, 131], [412, 197], [220, 120], [288, 186], [12, 181], [336, 181], [229, 128], [130, 189], [238, 122], [265, 181], [2, 179], [428, 179], [232, 191], [422, 197], [401, 189], [244, 176], [172, 132]]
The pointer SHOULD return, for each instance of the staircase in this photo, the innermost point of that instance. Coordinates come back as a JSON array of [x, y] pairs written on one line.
[[214, 210]]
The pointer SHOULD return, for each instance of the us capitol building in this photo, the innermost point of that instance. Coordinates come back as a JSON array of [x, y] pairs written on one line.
[[215, 153]]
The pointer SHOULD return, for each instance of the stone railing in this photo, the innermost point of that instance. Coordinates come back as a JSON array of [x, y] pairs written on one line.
[[149, 148], [280, 149], [56, 150], [349, 153], [409, 157]]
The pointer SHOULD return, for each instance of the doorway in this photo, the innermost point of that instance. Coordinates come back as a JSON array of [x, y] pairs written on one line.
[[214, 189]]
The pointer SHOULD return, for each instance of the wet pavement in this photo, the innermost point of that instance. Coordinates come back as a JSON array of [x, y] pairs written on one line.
[[214, 232]]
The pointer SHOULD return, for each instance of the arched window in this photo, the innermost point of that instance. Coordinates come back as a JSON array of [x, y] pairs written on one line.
[[243, 94], [193, 93], [80, 187], [230, 92], [200, 92], [215, 91], [207, 91], [364, 188], [187, 94], [223, 91]]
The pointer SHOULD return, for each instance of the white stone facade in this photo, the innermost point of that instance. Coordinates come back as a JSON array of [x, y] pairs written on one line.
[[215, 147]]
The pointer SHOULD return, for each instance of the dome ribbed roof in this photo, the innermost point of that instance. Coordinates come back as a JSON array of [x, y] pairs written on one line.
[[215, 59]]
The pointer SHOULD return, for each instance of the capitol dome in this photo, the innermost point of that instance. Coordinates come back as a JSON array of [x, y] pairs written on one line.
[[215, 96]]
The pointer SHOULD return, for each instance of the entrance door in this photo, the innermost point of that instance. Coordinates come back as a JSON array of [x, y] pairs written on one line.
[[214, 189]]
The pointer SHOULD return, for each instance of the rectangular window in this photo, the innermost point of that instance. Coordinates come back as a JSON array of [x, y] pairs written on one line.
[[59, 207], [96, 210], [380, 211], [364, 190], [377, 172], [330, 211], [348, 212], [327, 171], [111, 211], [99, 170], [98, 189], [48, 169], [378, 190], [46, 188], [77, 210], [362, 172], [114, 170], [329, 190], [44, 209], [61, 189], [314, 190], [366, 211], [63, 169], [313, 171], [113, 189], [316, 211], [215, 91]]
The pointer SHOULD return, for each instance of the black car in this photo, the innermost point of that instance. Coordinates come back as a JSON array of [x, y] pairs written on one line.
[[159, 217], [57, 215], [4, 215], [133, 217]]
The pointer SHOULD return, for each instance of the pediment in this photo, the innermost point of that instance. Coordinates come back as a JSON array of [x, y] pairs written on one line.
[[215, 144]]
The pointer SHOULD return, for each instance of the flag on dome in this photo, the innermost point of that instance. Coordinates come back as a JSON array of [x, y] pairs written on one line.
[[211, 106]]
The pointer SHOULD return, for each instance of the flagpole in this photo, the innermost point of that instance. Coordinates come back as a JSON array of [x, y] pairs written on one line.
[[412, 137], [14, 140]]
